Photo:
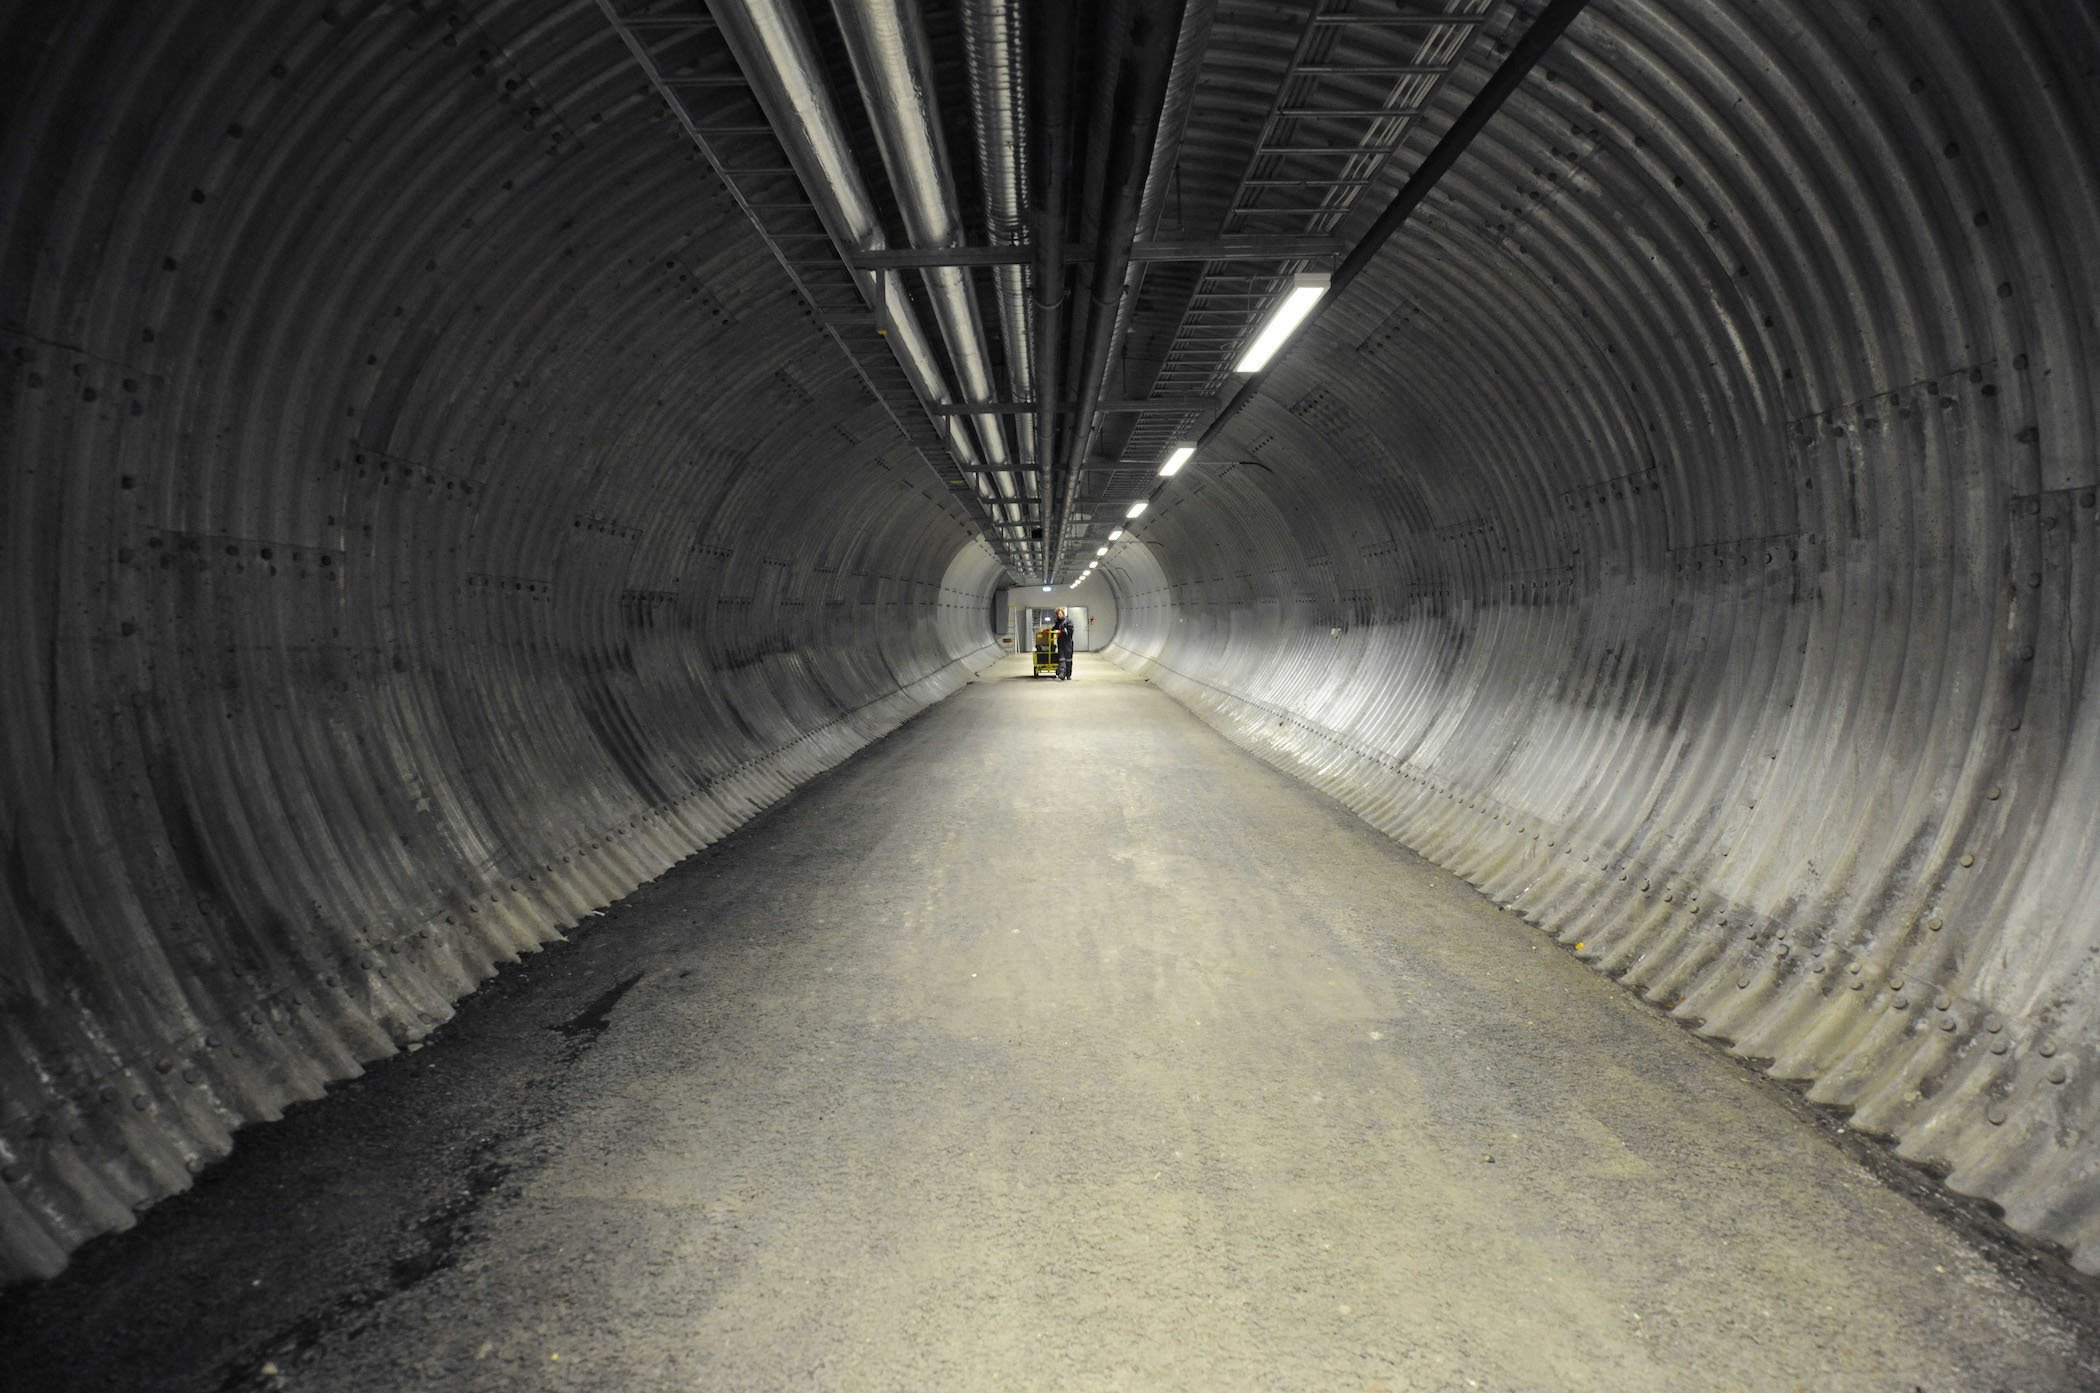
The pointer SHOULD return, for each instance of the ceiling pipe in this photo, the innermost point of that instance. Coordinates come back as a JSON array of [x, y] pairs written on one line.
[[1140, 94], [1049, 53], [773, 46], [886, 42], [993, 53]]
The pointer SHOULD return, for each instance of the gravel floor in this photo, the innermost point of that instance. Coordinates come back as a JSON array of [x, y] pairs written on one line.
[[1054, 1043]]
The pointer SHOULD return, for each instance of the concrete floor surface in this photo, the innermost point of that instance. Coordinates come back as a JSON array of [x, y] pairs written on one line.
[[1052, 1043]]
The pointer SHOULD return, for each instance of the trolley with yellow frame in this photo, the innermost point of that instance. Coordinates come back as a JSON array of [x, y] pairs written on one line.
[[1045, 652]]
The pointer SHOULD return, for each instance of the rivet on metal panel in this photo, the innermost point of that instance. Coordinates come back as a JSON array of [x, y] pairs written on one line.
[[2046, 1048], [1901, 1003], [1993, 794], [1998, 1047], [1968, 860], [1996, 1113]]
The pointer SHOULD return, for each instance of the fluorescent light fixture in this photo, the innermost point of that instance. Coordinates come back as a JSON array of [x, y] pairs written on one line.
[[1091, 564], [1046, 590], [1306, 289], [1100, 551], [1177, 457], [1116, 536], [1137, 509]]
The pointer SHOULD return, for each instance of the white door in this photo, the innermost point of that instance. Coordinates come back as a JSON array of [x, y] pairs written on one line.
[[1082, 636]]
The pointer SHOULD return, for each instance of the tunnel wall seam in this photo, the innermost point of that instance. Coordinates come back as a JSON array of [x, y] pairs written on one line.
[[409, 999], [430, 514], [1704, 483], [1695, 972]]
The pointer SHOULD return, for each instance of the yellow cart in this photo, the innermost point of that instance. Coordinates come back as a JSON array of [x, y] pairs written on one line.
[[1045, 653]]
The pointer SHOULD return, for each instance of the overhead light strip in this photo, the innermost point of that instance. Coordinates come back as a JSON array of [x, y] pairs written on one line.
[[1307, 289]]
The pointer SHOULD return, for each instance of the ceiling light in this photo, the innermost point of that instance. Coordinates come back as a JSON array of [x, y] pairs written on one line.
[[1046, 590], [1091, 564], [1137, 509], [1306, 289], [1116, 536], [1100, 551], [1176, 458]]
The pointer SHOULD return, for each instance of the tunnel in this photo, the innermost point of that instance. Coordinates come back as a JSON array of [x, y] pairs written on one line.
[[467, 459]]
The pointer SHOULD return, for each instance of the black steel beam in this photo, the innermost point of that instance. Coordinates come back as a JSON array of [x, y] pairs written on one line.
[[1132, 407], [1049, 97], [1141, 90], [1253, 248]]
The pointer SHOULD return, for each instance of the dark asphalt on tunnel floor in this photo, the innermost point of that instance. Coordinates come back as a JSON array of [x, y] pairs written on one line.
[[1053, 1043]]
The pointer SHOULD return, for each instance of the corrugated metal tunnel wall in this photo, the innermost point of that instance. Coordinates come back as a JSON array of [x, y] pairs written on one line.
[[429, 515], [1686, 533]]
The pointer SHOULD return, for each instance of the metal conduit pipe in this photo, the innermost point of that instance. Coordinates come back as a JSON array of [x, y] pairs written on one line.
[[998, 104], [886, 42], [777, 52], [1140, 90]]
